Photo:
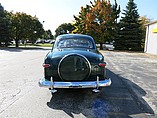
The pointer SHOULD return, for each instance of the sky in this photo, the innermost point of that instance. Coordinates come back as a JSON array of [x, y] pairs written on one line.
[[56, 12]]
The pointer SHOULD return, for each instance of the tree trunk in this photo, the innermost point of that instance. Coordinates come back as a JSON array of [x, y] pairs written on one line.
[[6, 44], [17, 43], [101, 46]]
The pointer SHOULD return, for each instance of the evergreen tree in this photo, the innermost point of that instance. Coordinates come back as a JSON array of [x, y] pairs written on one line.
[[130, 33], [116, 15], [4, 27]]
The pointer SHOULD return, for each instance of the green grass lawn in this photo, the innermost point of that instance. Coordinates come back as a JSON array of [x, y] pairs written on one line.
[[37, 45], [44, 45]]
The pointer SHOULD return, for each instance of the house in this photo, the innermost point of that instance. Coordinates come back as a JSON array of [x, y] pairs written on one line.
[[151, 38]]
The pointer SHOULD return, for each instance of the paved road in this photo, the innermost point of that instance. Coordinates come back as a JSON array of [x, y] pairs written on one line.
[[131, 93]]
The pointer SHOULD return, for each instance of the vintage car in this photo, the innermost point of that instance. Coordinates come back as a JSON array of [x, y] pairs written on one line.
[[74, 62]]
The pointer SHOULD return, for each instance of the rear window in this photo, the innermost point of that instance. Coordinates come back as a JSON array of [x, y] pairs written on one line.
[[77, 42]]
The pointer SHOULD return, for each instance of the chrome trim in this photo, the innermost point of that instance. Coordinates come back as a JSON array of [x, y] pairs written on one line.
[[84, 84], [97, 82], [90, 68], [52, 83], [52, 86]]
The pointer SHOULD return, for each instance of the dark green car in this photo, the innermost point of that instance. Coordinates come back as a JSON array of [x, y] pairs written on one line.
[[74, 62]]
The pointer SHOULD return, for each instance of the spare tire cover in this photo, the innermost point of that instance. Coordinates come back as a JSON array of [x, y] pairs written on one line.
[[74, 67]]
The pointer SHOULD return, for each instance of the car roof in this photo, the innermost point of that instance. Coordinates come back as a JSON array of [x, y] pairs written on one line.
[[73, 35]]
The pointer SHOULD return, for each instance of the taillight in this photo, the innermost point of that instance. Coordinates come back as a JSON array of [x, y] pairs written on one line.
[[46, 65], [102, 64]]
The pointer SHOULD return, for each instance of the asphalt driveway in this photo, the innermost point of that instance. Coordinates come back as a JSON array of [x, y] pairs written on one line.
[[132, 94], [139, 72]]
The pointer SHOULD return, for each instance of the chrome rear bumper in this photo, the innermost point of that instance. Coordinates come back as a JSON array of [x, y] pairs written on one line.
[[87, 84]]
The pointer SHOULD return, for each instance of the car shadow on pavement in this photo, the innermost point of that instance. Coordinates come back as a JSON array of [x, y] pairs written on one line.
[[20, 49], [116, 101]]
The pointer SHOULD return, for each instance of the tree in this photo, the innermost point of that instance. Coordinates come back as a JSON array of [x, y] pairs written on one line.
[[25, 27], [35, 31], [130, 33], [144, 21], [48, 35], [4, 27], [80, 21], [98, 20], [116, 12], [64, 28]]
